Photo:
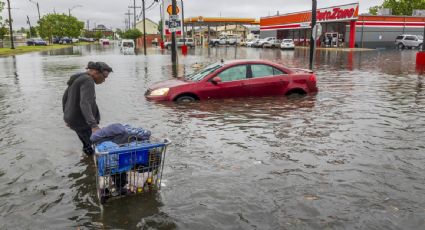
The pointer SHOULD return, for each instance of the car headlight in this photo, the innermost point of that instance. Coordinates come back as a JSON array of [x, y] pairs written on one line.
[[159, 92]]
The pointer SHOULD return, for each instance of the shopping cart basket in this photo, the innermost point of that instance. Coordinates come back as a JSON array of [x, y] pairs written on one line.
[[135, 167]]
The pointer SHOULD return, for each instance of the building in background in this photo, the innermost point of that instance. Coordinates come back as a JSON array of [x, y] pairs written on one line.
[[151, 26], [342, 27]]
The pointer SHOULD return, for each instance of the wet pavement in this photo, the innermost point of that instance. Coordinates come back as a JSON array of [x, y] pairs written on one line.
[[350, 157]]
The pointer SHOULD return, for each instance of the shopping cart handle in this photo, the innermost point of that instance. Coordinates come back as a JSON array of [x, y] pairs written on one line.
[[167, 142]]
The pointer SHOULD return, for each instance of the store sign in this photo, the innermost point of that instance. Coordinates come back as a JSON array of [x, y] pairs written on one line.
[[338, 13]]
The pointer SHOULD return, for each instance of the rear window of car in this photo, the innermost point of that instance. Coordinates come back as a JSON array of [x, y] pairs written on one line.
[[190, 40], [264, 70], [287, 41]]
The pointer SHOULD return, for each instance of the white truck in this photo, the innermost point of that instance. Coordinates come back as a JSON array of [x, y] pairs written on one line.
[[225, 40]]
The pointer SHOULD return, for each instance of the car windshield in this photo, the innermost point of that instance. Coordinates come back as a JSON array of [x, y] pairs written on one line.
[[199, 75], [287, 41]]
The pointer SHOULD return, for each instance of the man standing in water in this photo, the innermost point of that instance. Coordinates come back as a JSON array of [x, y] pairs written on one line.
[[80, 111]]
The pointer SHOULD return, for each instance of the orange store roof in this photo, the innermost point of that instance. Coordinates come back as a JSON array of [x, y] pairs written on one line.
[[204, 21]]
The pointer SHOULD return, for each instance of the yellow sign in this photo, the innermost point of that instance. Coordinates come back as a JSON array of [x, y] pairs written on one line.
[[170, 9]]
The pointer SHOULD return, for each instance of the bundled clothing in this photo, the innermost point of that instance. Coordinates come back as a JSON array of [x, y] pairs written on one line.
[[119, 134]]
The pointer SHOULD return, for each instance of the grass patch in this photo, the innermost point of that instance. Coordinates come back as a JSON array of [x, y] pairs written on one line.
[[27, 49]]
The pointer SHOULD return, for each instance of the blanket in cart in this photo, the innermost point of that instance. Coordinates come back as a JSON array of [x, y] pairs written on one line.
[[120, 134]]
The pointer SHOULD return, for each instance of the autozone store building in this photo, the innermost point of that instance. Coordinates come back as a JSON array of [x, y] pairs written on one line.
[[342, 27]]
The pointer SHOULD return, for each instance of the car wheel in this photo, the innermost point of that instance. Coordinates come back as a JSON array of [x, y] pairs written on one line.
[[420, 46], [400, 46], [185, 99]]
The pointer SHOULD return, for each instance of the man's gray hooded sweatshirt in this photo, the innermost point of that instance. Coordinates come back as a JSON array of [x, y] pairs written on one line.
[[80, 110]]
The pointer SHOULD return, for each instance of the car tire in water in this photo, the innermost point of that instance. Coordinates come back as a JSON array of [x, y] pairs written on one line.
[[400, 46], [185, 99]]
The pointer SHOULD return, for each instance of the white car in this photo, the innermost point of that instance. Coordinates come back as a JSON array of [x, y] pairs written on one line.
[[250, 42], [180, 42], [287, 44], [261, 42], [409, 41]]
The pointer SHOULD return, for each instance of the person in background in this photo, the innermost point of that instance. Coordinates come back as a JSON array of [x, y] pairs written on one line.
[[80, 111]]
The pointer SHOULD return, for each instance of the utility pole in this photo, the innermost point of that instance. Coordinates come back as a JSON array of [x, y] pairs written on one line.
[[12, 45], [134, 12], [423, 43], [161, 13], [173, 38], [29, 23], [129, 19], [312, 39], [184, 40], [144, 28]]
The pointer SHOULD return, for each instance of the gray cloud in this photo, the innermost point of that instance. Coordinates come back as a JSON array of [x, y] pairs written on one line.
[[111, 12]]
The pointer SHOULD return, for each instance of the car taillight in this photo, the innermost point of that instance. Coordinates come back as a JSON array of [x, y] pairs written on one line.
[[312, 78]]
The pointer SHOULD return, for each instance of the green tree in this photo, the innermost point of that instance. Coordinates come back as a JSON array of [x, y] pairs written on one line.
[[1, 9], [98, 35], [160, 26], [60, 25], [399, 7], [132, 34]]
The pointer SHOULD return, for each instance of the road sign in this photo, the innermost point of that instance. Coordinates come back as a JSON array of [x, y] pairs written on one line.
[[317, 31], [170, 9]]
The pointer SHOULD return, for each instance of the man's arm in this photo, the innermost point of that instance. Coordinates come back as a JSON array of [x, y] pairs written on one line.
[[87, 99]]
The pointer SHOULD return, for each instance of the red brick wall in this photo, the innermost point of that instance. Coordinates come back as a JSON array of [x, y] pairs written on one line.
[[149, 39]]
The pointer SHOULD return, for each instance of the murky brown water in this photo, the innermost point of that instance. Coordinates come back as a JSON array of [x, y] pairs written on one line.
[[350, 157]]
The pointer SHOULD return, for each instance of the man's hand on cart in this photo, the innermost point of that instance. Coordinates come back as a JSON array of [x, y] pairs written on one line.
[[93, 130]]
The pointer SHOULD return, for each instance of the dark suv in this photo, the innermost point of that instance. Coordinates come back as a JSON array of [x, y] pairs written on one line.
[[409, 41]]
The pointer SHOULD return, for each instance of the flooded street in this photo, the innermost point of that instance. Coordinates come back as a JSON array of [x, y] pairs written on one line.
[[350, 157]]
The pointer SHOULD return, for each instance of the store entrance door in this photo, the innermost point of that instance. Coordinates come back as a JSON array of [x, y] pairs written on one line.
[[332, 40]]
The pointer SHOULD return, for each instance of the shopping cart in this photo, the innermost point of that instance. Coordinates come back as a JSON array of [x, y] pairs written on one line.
[[132, 168]]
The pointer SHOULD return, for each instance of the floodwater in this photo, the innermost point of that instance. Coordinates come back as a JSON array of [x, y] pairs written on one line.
[[350, 157]]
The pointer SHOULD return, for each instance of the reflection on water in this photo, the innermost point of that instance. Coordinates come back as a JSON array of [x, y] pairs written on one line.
[[349, 157]]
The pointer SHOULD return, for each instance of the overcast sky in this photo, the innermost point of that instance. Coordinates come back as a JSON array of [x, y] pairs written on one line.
[[111, 12]]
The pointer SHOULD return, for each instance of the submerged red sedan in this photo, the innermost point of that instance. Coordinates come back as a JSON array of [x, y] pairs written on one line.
[[238, 78]]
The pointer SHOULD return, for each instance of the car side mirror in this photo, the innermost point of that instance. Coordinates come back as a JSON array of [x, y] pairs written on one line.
[[216, 80]]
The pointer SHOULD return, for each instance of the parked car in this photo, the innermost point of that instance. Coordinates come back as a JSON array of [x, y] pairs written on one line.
[[180, 42], [409, 41], [261, 42], [225, 40], [75, 40], [238, 78], [287, 44], [272, 44], [36, 42], [104, 41], [127, 46], [251, 42], [65, 40]]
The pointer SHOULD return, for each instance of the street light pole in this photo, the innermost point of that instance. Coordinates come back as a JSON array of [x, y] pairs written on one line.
[[173, 36], [312, 39], [12, 45], [73, 7], [184, 36], [144, 28]]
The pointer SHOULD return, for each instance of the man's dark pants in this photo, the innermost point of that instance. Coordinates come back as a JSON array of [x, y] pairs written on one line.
[[84, 135]]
